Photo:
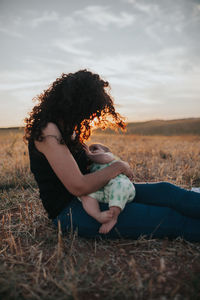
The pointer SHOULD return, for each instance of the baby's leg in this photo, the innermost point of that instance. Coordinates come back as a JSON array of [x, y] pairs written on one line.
[[107, 226], [91, 206], [119, 191]]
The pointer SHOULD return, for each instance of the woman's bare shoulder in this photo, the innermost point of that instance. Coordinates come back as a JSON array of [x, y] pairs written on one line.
[[51, 129], [51, 136]]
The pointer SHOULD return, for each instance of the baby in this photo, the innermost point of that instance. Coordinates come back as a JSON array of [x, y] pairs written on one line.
[[116, 193]]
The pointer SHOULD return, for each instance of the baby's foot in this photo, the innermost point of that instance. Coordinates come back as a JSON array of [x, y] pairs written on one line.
[[104, 216], [107, 226]]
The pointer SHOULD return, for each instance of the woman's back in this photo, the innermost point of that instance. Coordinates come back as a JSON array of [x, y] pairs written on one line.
[[53, 193]]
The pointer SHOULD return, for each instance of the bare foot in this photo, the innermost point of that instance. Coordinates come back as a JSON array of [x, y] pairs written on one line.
[[106, 227], [104, 216]]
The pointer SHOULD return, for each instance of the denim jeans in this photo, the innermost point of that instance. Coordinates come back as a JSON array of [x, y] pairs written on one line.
[[159, 210]]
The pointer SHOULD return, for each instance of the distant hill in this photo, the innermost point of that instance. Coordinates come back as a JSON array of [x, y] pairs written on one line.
[[155, 127], [160, 127]]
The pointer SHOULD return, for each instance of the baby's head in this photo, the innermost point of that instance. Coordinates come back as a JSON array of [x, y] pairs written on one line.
[[98, 148]]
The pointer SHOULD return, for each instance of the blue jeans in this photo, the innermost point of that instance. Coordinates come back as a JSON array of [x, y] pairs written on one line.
[[159, 210]]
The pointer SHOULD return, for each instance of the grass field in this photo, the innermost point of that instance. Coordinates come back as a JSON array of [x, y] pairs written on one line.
[[36, 262]]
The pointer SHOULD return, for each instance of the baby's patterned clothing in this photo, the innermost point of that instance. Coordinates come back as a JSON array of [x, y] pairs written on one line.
[[117, 192]]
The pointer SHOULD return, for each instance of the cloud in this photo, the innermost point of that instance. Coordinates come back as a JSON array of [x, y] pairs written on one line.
[[25, 85], [149, 9], [146, 7], [11, 32], [164, 20], [12, 80], [45, 17], [103, 17], [155, 80], [140, 70], [69, 22], [10, 26], [31, 60], [73, 45]]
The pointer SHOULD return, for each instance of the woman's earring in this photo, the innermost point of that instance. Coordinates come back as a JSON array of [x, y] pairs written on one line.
[[73, 136]]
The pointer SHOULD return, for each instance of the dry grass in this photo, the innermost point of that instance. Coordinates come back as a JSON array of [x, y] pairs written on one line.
[[37, 262]]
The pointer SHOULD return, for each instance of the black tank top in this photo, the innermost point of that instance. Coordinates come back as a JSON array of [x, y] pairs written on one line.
[[54, 195]]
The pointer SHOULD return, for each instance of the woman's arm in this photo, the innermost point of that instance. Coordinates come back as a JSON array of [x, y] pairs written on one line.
[[67, 170]]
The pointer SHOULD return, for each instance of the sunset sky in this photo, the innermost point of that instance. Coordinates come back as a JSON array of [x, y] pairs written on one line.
[[149, 51]]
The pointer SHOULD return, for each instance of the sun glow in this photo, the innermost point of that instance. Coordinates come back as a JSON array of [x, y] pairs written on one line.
[[94, 123]]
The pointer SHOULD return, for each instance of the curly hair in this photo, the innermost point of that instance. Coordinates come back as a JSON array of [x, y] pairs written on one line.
[[73, 100]]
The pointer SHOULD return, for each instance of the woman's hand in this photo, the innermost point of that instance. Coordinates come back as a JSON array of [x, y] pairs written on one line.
[[126, 169]]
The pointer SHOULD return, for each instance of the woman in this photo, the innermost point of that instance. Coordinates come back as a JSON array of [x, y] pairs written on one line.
[[56, 130]]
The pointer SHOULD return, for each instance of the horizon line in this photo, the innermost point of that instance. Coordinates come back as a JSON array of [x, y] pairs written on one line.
[[150, 120]]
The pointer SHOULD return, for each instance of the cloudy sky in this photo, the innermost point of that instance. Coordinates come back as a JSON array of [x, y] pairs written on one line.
[[149, 51]]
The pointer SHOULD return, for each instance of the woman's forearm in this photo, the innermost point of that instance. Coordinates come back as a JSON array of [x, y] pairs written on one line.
[[92, 182]]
